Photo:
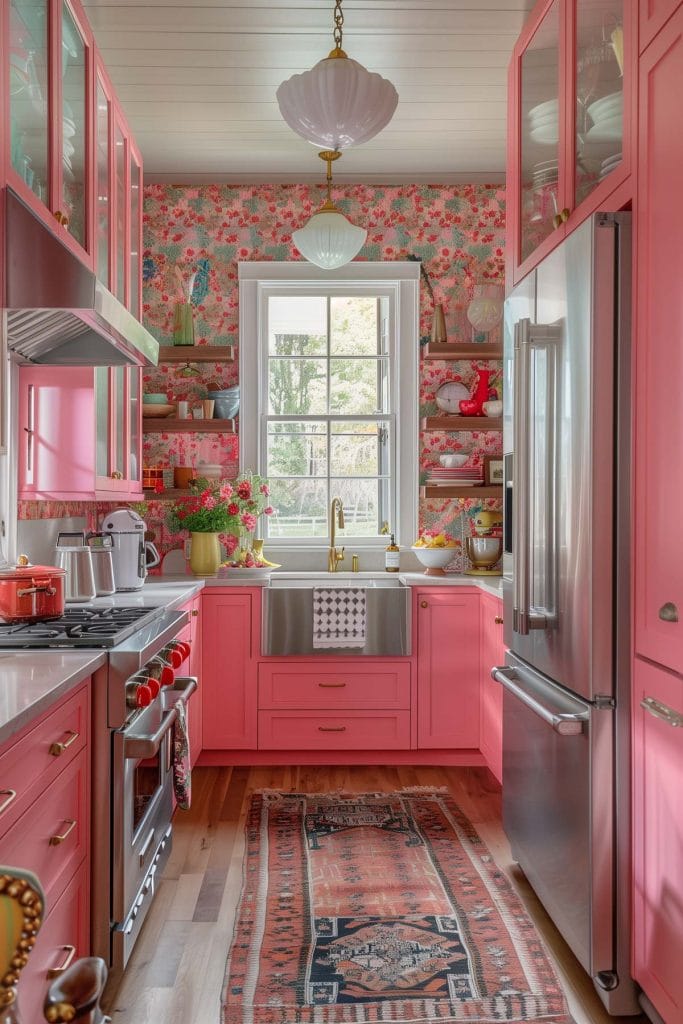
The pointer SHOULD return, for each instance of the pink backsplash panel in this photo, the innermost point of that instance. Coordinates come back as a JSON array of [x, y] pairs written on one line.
[[458, 231]]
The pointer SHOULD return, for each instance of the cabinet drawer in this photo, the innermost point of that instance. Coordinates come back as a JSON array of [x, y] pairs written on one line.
[[334, 685], [65, 928], [28, 766], [33, 842], [350, 730]]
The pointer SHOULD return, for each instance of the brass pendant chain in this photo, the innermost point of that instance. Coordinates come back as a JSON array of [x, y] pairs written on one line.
[[338, 24]]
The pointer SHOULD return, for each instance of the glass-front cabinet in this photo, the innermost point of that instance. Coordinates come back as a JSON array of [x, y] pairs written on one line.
[[135, 232], [103, 204], [117, 432], [50, 74], [569, 128]]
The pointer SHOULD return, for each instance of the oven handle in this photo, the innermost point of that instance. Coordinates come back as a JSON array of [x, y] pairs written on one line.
[[170, 694], [138, 747], [564, 724]]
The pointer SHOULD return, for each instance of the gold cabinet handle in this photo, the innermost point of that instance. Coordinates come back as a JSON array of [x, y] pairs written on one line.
[[668, 612], [58, 216], [11, 795], [56, 840], [424, 604], [70, 951], [331, 728], [498, 620], [331, 686], [117, 475], [57, 749], [194, 612]]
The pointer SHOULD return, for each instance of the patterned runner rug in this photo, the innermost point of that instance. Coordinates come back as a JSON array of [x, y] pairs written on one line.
[[379, 907]]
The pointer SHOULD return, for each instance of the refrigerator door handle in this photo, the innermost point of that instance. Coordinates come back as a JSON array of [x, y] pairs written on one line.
[[564, 724], [524, 616]]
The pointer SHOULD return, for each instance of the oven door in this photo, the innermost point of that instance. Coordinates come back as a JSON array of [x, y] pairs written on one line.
[[141, 828]]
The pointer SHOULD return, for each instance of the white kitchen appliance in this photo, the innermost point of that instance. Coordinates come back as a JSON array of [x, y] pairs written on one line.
[[132, 554]]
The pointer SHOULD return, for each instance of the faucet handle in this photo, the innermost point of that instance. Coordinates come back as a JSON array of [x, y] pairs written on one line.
[[339, 555]]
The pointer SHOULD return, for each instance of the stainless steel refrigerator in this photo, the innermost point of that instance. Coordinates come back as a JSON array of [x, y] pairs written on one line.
[[566, 771]]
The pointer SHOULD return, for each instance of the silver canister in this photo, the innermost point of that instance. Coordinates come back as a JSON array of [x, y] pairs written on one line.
[[101, 547], [73, 554]]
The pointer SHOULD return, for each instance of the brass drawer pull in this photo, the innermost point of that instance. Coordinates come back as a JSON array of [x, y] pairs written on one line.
[[57, 749], [331, 686], [11, 795], [70, 951], [56, 840], [662, 711], [498, 620], [331, 728]]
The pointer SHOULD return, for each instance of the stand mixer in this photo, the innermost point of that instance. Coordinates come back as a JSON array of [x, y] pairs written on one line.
[[484, 550]]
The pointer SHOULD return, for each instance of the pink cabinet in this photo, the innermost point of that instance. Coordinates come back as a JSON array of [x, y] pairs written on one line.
[[658, 837], [659, 354], [230, 645], [570, 118], [492, 653], [448, 667], [653, 16], [79, 436]]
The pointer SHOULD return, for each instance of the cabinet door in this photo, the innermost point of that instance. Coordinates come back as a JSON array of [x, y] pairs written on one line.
[[135, 232], [228, 672], [659, 354], [447, 669], [658, 837], [120, 197], [492, 653], [103, 201], [653, 15], [132, 412], [28, 54], [72, 135]]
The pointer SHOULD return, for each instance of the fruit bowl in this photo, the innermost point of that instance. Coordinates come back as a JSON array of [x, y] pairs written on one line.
[[435, 559]]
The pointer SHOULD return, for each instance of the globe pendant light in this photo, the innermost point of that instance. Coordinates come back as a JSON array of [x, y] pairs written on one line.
[[338, 103], [328, 239]]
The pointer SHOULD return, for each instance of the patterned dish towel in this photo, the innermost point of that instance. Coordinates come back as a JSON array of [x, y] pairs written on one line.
[[182, 773], [339, 617]]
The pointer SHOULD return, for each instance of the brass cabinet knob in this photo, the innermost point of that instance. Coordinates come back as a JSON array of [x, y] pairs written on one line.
[[668, 612], [117, 475], [561, 218], [58, 216], [424, 604], [194, 612], [498, 620]]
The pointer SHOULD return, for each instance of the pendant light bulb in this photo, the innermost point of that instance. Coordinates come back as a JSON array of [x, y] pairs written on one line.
[[328, 239]]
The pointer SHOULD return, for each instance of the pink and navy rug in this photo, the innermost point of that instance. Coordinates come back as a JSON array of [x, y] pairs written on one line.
[[380, 907]]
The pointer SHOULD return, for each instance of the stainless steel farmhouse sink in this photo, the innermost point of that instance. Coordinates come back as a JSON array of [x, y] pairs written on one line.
[[288, 614]]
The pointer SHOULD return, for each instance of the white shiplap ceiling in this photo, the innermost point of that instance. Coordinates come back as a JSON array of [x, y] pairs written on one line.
[[197, 79]]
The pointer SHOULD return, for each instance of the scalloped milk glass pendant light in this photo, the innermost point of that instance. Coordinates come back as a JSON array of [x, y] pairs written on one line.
[[338, 103], [328, 239]]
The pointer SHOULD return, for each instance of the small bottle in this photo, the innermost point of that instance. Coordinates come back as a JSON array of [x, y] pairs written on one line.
[[392, 556]]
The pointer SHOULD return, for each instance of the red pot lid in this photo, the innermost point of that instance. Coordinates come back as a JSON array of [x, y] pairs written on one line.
[[30, 572]]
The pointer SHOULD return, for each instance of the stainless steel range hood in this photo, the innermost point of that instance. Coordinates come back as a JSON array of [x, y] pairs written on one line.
[[58, 313]]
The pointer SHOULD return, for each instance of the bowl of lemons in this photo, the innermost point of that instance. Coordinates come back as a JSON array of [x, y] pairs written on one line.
[[435, 552]]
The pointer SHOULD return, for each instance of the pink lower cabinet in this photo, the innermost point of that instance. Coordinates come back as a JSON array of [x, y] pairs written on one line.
[[334, 730], [658, 837], [448, 667], [230, 645], [491, 693]]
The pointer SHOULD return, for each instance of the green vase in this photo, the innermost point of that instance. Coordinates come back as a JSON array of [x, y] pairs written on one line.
[[205, 554], [183, 324]]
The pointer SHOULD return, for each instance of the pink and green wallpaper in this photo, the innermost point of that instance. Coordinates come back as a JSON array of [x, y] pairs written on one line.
[[457, 231]]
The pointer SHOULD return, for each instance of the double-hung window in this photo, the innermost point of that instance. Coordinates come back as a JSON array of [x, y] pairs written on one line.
[[329, 405]]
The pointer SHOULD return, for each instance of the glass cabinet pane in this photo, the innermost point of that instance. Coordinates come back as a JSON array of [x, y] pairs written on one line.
[[539, 133], [74, 92], [103, 219], [121, 199], [102, 421], [29, 93], [135, 219], [134, 390], [120, 413], [599, 92]]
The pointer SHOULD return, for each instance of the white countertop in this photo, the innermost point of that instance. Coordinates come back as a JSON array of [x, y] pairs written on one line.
[[170, 591], [30, 681], [489, 584], [158, 589]]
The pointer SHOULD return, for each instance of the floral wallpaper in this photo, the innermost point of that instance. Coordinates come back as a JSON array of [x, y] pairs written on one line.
[[457, 232]]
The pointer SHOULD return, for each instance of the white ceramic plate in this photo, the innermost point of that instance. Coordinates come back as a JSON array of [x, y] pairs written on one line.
[[610, 130], [546, 134], [449, 396], [615, 101], [544, 108]]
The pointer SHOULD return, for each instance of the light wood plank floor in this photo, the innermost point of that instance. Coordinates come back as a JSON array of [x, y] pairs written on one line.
[[176, 972]]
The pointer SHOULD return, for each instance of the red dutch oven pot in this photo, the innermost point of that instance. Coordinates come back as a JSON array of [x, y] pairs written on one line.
[[29, 593]]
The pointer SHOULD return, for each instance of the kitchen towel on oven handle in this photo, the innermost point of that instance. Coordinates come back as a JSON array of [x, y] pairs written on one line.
[[339, 617], [182, 772]]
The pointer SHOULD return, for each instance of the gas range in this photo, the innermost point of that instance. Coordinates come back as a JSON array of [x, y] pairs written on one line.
[[80, 627]]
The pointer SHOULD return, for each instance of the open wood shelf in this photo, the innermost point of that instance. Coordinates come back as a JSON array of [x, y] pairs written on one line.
[[454, 350], [170, 493], [171, 425], [458, 491], [453, 423], [196, 353]]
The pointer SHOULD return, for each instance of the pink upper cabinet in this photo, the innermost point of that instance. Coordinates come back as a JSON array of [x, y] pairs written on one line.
[[569, 122], [659, 354], [653, 15]]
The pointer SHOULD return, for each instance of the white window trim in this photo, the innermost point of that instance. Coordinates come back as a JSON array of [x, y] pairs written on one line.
[[401, 278]]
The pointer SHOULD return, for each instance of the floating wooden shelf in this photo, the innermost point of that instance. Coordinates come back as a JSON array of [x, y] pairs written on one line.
[[171, 425], [453, 423], [453, 350], [170, 494], [196, 353], [455, 491]]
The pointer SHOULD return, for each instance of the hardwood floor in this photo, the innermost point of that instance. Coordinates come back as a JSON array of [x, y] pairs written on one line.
[[176, 972]]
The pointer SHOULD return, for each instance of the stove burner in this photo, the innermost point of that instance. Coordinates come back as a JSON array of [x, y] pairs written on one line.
[[78, 627]]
